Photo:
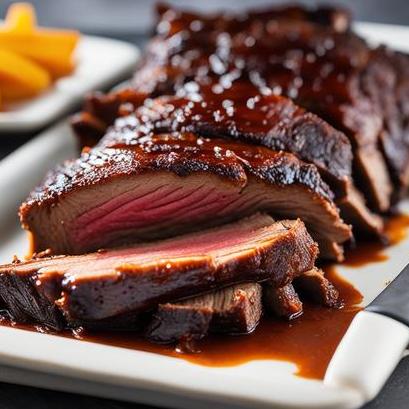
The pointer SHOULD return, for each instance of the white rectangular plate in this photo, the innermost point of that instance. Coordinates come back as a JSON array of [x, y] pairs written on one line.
[[100, 63], [66, 364]]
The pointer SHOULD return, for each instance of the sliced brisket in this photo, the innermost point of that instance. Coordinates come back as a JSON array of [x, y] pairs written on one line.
[[322, 69], [237, 309], [232, 310], [271, 121], [385, 80], [173, 184], [367, 225], [312, 286], [93, 288], [336, 17], [242, 113]]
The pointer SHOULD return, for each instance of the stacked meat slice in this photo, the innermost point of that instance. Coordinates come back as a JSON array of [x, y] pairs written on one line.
[[238, 309], [117, 287], [116, 196], [270, 121], [163, 170]]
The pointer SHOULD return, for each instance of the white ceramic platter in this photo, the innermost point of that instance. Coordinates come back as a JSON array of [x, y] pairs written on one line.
[[100, 63], [71, 365]]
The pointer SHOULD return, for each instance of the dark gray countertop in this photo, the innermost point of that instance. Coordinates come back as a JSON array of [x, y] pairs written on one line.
[[129, 20]]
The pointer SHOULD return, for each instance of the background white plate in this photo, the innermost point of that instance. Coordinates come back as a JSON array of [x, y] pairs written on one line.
[[66, 364], [101, 62]]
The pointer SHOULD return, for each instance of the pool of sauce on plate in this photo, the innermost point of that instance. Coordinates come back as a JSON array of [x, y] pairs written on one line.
[[309, 341]]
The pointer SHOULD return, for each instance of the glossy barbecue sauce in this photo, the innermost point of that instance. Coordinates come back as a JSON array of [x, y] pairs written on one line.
[[309, 341]]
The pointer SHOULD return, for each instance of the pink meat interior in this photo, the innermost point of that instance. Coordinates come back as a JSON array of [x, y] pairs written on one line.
[[150, 212], [217, 242]]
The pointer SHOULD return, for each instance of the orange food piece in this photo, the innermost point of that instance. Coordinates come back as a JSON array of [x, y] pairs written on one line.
[[53, 52], [20, 17], [20, 77], [52, 49]]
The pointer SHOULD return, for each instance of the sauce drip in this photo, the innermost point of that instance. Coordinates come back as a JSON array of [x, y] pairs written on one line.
[[373, 252]]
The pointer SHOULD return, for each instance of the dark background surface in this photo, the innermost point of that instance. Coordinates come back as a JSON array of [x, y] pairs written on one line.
[[129, 16], [130, 20]]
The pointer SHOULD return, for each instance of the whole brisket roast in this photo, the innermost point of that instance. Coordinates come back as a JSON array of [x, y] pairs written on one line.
[[103, 287]]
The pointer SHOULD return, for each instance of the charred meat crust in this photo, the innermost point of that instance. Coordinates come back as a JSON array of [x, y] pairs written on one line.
[[181, 157], [276, 167], [23, 301], [271, 121]]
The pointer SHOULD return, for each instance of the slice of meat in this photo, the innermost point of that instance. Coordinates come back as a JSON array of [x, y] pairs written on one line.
[[367, 225], [173, 184], [385, 81], [313, 285], [100, 111], [178, 323], [282, 301], [88, 289], [372, 172], [232, 310], [337, 18], [240, 113]]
